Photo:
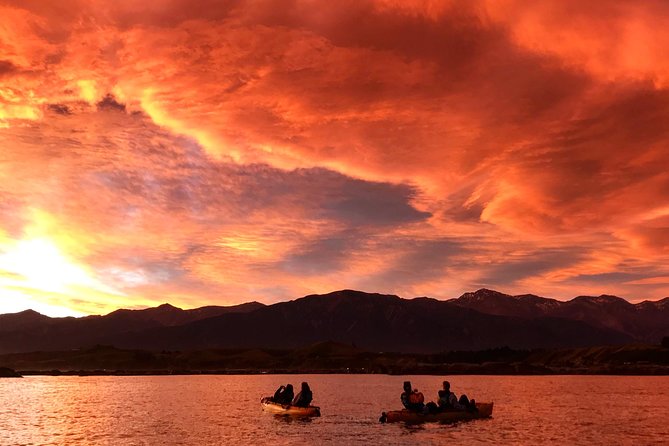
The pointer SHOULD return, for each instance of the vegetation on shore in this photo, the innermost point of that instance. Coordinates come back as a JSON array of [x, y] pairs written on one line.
[[9, 373], [329, 357]]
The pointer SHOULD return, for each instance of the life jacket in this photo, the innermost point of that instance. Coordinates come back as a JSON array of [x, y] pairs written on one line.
[[416, 398]]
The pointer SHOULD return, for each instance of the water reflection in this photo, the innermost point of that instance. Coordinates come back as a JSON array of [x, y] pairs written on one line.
[[292, 419], [172, 410], [410, 428]]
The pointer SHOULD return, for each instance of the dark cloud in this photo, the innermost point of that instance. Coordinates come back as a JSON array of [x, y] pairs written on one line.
[[232, 191], [607, 278], [418, 261], [60, 109], [7, 67], [362, 203], [323, 256], [109, 103], [506, 271]]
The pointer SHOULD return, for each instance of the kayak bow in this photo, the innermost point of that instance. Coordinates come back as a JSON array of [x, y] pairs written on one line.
[[286, 409]]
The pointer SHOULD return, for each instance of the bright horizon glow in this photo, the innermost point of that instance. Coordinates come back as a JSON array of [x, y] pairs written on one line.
[[34, 269], [16, 302], [44, 267]]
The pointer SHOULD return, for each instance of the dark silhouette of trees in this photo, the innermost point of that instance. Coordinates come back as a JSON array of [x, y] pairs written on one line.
[[665, 342]]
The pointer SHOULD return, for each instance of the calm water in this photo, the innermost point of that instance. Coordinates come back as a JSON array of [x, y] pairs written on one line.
[[222, 409]]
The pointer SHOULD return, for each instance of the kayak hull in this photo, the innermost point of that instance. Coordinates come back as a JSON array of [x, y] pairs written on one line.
[[449, 416], [284, 409]]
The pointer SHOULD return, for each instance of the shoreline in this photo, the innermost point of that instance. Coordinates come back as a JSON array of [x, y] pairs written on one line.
[[561, 372], [332, 358]]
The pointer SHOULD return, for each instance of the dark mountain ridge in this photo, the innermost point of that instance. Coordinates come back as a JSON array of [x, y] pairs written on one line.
[[647, 321], [376, 322], [31, 331], [23, 320]]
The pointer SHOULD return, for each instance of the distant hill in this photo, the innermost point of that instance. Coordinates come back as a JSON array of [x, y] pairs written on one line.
[[9, 373], [374, 322], [25, 320], [646, 321], [31, 331]]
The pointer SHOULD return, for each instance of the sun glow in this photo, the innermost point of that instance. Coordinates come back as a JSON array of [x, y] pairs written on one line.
[[36, 268], [43, 266]]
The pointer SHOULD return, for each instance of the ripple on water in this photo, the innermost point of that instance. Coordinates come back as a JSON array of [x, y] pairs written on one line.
[[172, 410]]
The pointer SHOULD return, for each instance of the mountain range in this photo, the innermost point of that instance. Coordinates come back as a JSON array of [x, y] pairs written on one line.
[[374, 322]]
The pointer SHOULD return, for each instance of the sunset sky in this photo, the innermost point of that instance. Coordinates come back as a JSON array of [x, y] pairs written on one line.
[[217, 152]]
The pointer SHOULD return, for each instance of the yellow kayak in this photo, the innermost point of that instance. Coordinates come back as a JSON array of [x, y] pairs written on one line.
[[448, 416], [286, 409]]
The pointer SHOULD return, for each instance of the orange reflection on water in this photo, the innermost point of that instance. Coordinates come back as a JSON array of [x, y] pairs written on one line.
[[225, 409]]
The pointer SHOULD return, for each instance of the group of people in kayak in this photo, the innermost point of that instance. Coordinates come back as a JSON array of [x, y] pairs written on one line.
[[411, 398], [414, 400], [285, 395]]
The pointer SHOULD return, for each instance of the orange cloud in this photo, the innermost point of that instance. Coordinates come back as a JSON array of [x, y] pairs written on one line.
[[264, 150], [614, 42]]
